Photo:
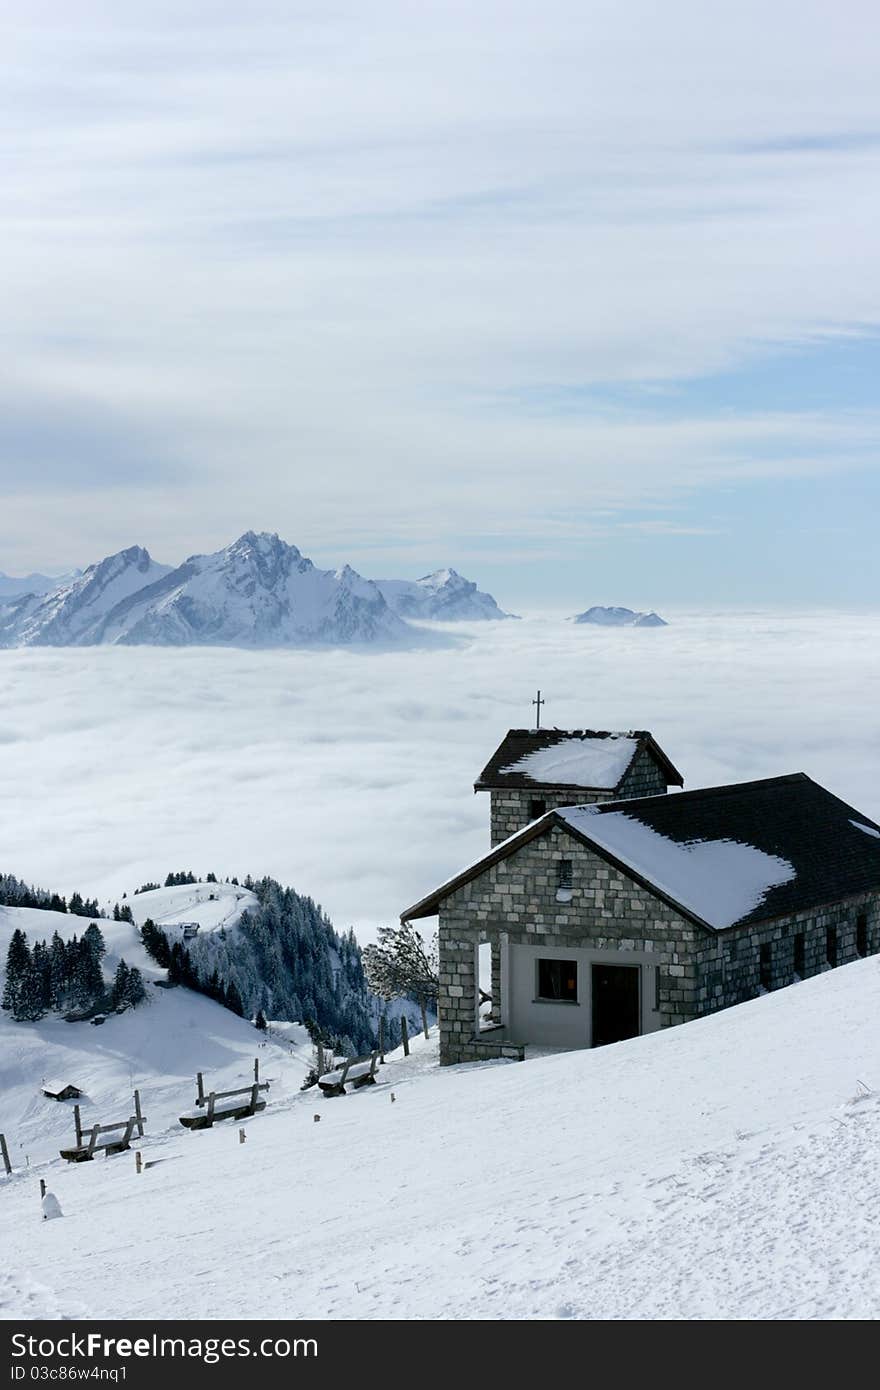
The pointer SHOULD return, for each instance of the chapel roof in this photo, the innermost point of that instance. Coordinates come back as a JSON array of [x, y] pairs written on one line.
[[570, 759], [721, 856]]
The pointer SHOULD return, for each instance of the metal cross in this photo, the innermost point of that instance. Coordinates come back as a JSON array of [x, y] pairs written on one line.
[[539, 702]]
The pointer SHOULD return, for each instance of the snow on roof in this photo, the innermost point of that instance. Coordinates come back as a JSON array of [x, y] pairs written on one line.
[[724, 855], [720, 881], [866, 829], [589, 758], [579, 762]]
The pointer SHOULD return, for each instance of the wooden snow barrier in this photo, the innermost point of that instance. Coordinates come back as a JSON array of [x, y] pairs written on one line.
[[204, 1118], [89, 1142], [357, 1072]]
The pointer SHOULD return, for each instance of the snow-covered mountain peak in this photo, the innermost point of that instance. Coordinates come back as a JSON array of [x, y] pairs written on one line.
[[445, 578], [443, 595], [619, 617], [75, 612], [262, 546], [258, 591]]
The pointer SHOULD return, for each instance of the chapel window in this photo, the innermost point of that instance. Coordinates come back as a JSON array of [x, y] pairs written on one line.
[[557, 981]]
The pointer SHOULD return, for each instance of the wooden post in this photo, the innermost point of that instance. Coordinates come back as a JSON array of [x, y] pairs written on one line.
[[78, 1123], [393, 1097], [382, 1039], [5, 1152], [404, 1035], [138, 1161], [93, 1138], [200, 1098], [241, 1136], [42, 1188], [210, 1110], [138, 1116], [254, 1092], [316, 1118], [256, 1071]]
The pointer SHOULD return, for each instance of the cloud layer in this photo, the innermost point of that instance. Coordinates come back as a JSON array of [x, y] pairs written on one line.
[[350, 775], [348, 271]]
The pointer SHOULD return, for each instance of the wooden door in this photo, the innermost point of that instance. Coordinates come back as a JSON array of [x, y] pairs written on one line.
[[615, 1003]]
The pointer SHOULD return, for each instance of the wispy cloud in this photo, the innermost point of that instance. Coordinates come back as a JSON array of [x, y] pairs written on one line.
[[314, 264]]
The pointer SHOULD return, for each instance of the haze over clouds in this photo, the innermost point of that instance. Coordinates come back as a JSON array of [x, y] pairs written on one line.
[[534, 291], [349, 775]]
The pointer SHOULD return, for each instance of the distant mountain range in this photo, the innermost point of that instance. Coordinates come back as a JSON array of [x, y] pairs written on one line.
[[30, 584], [259, 592], [619, 617], [441, 596]]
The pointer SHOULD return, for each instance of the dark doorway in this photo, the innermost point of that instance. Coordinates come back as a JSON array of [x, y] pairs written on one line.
[[615, 1003]]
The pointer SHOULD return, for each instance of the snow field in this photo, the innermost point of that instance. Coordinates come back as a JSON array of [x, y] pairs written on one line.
[[723, 1169], [157, 1047]]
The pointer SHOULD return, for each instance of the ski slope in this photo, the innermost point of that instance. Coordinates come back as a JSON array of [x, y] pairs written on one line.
[[723, 1169]]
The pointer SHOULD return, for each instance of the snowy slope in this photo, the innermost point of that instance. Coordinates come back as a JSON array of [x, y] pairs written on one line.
[[211, 905], [157, 1047], [443, 596], [259, 591], [723, 1169], [75, 613]]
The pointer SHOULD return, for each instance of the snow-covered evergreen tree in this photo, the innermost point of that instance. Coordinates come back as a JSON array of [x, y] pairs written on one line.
[[18, 961]]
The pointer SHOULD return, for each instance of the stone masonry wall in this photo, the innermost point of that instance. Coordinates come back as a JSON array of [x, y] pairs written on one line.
[[644, 778], [699, 971], [509, 810], [518, 896], [729, 964]]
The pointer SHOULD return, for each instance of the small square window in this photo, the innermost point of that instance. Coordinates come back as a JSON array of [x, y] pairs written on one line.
[[862, 934], [558, 980], [537, 809]]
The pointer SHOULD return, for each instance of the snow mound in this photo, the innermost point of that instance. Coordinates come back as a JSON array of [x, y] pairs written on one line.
[[51, 1207]]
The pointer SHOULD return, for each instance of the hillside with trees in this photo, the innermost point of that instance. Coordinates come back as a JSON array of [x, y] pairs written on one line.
[[283, 959], [65, 977]]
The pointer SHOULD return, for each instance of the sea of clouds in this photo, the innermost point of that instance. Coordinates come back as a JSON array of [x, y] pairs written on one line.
[[349, 774]]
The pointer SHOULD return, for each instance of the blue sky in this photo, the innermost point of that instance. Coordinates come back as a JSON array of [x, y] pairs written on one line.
[[581, 299]]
